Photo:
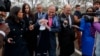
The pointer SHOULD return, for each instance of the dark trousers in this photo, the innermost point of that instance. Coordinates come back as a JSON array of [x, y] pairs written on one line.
[[64, 51], [31, 49], [66, 47], [31, 44], [52, 48], [16, 50], [42, 44]]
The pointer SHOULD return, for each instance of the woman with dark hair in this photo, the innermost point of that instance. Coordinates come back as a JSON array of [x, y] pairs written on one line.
[[90, 10], [87, 38], [31, 35], [15, 44]]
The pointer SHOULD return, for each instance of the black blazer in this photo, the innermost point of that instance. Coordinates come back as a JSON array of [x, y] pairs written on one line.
[[30, 36], [30, 18]]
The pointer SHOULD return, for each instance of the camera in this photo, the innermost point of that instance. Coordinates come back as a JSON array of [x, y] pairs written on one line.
[[5, 5], [1, 20], [65, 24], [89, 17]]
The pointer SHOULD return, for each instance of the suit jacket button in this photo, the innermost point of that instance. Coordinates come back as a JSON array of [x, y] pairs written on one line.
[[13, 29], [21, 28], [21, 35]]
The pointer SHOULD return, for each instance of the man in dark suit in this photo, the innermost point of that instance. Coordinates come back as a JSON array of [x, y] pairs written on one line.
[[66, 34], [39, 12], [38, 15], [78, 16]]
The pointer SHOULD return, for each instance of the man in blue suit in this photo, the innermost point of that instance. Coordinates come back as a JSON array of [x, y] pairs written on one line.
[[50, 25]]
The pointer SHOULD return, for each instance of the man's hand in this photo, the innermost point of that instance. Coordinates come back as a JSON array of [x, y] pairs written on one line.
[[49, 28], [96, 19], [65, 21], [31, 27], [10, 40], [42, 21]]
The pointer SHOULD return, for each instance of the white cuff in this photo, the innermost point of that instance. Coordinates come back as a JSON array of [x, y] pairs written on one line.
[[2, 33]]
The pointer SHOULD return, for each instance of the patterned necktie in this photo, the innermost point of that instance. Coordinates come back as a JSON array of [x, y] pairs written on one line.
[[50, 22], [70, 21]]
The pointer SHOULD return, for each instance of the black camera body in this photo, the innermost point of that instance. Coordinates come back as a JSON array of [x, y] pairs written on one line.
[[5, 5], [1, 20], [89, 17]]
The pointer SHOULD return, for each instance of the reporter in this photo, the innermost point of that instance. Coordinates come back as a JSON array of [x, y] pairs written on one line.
[[87, 38], [96, 25]]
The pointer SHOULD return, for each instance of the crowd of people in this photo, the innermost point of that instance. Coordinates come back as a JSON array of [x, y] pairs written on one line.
[[28, 33]]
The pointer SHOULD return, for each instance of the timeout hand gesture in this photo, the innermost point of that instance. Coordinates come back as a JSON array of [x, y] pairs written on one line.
[[43, 21]]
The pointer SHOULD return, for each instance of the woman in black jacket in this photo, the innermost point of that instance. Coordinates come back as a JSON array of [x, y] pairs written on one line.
[[31, 35], [16, 44]]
